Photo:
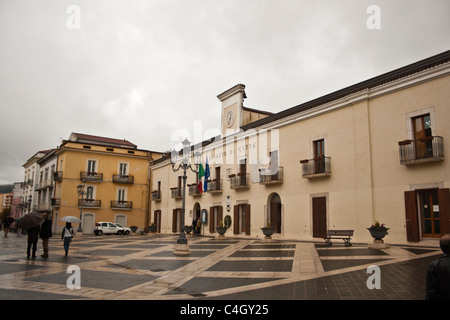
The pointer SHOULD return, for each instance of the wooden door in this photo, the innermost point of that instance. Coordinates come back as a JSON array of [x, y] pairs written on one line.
[[236, 220], [412, 221], [319, 217], [157, 220], [319, 156], [275, 216], [444, 210], [247, 220], [429, 208], [422, 135]]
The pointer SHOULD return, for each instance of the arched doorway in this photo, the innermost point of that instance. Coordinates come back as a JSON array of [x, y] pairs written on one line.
[[196, 215], [274, 212]]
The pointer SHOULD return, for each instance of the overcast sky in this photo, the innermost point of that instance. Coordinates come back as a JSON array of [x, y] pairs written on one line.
[[141, 70]]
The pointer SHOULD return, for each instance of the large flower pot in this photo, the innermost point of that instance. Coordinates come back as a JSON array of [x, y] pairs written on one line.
[[188, 229], [221, 231], [378, 233], [268, 232]]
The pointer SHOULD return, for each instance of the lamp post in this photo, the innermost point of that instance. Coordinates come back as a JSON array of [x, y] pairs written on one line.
[[81, 192], [182, 247]]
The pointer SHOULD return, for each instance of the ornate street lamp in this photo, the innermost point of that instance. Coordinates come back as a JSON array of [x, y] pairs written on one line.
[[81, 192], [182, 247]]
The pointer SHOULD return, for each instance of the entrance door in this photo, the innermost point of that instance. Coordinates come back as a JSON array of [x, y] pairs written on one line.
[[319, 209], [157, 220], [88, 223], [241, 219], [429, 208], [275, 212], [176, 220]]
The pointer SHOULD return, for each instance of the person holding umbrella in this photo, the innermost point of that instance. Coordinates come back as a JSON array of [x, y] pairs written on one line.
[[67, 235], [31, 222], [46, 234], [33, 237]]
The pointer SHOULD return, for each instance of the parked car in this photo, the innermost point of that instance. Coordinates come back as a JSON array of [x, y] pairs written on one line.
[[105, 228], [122, 229]]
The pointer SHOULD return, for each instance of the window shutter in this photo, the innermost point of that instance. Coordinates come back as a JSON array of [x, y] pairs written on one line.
[[444, 210], [412, 221]]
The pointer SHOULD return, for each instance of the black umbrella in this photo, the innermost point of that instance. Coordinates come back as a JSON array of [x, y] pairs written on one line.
[[30, 220]]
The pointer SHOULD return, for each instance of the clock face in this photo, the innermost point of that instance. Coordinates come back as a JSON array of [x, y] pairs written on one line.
[[230, 118]]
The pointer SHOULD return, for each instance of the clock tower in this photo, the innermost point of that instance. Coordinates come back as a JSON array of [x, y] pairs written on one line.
[[232, 109]]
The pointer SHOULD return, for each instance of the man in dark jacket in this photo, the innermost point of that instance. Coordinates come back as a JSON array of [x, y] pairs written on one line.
[[33, 237], [438, 275], [46, 234]]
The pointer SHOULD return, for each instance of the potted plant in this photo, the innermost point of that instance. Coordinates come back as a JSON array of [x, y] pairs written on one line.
[[152, 228], [133, 228], [188, 229], [221, 229], [268, 230], [378, 230]]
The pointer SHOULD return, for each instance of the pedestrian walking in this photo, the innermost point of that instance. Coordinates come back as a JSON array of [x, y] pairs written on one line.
[[67, 235], [33, 237], [6, 224], [46, 234], [438, 274]]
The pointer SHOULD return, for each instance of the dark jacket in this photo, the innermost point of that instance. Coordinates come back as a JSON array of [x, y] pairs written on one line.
[[33, 233], [46, 229], [438, 279]]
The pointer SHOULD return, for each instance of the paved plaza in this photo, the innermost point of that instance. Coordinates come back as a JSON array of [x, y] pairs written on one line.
[[144, 267]]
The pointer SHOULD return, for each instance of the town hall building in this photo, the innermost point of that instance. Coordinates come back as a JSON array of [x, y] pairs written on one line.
[[373, 151]]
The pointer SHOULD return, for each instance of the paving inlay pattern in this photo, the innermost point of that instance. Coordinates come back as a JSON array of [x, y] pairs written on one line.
[[144, 267]]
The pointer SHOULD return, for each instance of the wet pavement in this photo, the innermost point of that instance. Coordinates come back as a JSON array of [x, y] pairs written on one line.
[[144, 267]]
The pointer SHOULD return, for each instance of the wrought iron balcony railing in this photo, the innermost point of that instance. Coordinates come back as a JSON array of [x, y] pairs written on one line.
[[90, 203], [91, 176], [428, 149], [125, 205], [156, 195], [317, 167], [118, 178], [176, 193], [215, 186], [271, 175], [240, 181]]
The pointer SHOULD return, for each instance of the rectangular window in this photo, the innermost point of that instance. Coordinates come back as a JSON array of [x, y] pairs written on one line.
[[121, 197], [91, 166], [123, 169]]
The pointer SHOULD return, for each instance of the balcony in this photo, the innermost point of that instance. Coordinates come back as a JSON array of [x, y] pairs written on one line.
[[57, 175], [271, 175], [176, 193], [90, 203], [240, 181], [56, 202], [118, 178], [215, 186], [156, 195], [193, 190], [91, 176], [44, 185], [123, 205], [316, 168], [42, 207], [429, 149]]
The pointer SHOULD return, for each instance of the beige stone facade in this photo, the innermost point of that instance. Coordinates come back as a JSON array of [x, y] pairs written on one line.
[[374, 151]]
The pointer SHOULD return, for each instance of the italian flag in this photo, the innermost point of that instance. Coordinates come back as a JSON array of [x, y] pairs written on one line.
[[201, 174]]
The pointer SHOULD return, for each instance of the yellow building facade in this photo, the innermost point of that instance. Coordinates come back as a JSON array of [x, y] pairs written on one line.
[[114, 176], [374, 151]]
